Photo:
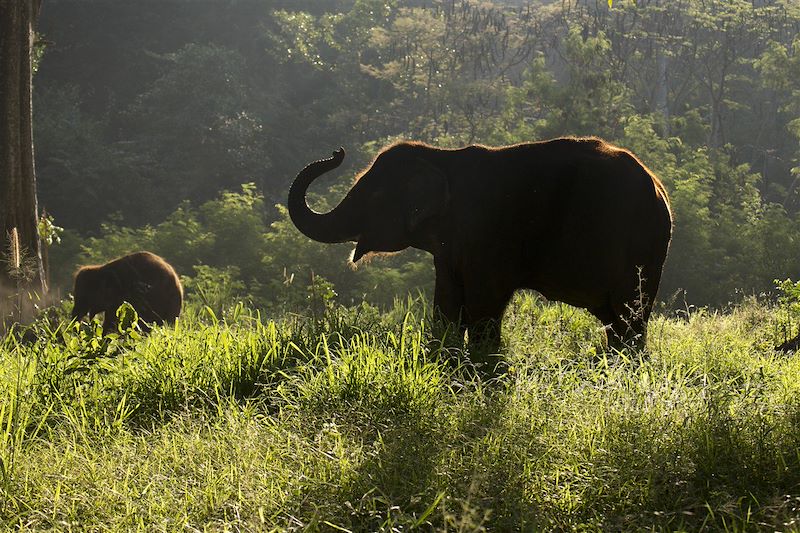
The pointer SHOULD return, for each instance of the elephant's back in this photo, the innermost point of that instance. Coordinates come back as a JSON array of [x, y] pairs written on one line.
[[149, 269], [557, 206], [561, 192], [152, 284]]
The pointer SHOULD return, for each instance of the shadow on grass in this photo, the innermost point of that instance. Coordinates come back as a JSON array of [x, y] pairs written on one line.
[[728, 461], [457, 465]]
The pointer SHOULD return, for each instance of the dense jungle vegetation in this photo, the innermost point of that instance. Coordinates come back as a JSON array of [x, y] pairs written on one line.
[[296, 393], [177, 128]]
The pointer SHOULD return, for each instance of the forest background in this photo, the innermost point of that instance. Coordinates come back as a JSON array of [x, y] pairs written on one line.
[[178, 128]]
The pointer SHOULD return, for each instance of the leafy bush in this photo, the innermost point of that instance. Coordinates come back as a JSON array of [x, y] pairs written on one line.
[[226, 251]]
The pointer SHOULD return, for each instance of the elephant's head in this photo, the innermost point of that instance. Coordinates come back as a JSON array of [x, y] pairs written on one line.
[[394, 204], [95, 287]]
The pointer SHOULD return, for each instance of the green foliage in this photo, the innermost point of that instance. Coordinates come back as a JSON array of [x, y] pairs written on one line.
[[789, 294], [215, 289], [789, 303], [720, 217], [49, 233], [778, 65], [210, 132], [226, 252], [94, 177]]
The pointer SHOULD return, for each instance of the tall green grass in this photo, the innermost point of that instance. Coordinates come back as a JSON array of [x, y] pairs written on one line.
[[365, 421]]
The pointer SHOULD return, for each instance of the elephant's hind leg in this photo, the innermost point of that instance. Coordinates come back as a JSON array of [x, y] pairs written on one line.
[[605, 314], [110, 321], [634, 311], [625, 322], [484, 319]]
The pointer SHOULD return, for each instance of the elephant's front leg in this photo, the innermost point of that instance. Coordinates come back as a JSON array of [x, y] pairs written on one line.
[[110, 321], [448, 302], [484, 307]]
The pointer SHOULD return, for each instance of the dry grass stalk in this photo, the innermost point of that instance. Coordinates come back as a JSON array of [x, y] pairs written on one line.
[[15, 257]]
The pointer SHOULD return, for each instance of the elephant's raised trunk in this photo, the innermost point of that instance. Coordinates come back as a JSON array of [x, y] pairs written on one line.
[[336, 226]]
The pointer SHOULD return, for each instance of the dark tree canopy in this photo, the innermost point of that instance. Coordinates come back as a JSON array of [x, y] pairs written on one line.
[[142, 107]]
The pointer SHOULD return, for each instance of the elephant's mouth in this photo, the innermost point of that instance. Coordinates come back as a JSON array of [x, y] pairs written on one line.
[[362, 249], [366, 249]]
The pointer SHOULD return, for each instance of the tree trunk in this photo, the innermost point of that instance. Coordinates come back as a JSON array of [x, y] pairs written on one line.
[[18, 207]]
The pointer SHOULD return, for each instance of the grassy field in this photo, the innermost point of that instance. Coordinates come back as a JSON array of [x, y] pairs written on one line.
[[365, 421]]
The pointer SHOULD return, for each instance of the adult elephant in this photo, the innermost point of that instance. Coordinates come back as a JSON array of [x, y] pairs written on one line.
[[577, 219]]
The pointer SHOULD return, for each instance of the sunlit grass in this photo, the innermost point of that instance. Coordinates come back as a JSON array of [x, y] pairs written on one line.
[[362, 421]]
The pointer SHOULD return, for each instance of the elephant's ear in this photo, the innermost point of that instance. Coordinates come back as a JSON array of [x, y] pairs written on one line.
[[428, 195]]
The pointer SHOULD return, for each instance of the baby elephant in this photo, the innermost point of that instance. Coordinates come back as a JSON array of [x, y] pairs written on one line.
[[142, 279]]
